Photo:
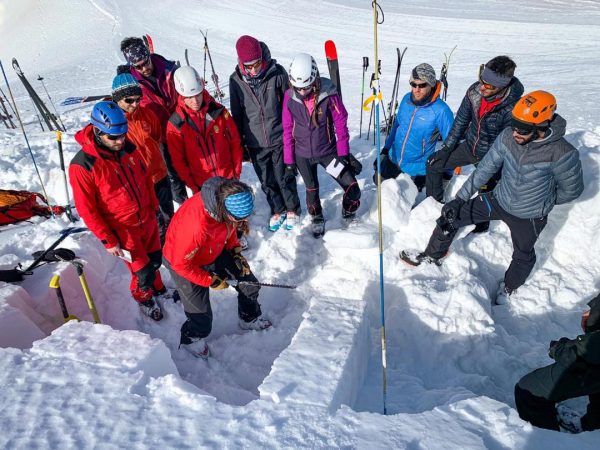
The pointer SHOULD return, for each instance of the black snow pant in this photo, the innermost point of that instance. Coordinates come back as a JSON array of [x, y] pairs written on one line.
[[483, 208], [537, 393], [346, 179], [389, 170], [196, 300], [177, 185], [278, 183], [162, 189]]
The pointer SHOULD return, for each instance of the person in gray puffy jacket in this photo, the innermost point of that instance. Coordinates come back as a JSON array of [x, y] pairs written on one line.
[[540, 169]]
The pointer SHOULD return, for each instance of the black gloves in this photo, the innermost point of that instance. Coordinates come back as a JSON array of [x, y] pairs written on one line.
[[451, 210], [292, 168], [385, 153], [355, 164], [442, 155], [554, 346]]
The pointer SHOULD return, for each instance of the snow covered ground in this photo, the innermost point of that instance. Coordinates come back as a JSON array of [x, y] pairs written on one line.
[[314, 380]]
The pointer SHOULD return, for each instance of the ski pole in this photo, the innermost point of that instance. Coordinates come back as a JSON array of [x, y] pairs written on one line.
[[235, 283], [215, 78], [25, 136], [55, 284], [86, 290], [377, 100], [68, 209], [41, 80], [362, 91]]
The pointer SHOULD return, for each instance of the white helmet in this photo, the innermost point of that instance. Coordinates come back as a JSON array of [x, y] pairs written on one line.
[[187, 81], [303, 71]]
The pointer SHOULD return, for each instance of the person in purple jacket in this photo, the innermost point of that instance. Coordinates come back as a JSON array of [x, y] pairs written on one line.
[[315, 132]]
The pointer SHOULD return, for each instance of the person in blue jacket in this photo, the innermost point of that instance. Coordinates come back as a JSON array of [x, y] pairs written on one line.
[[422, 118]]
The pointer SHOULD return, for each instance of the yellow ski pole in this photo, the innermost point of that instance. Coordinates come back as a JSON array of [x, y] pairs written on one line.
[[86, 290]]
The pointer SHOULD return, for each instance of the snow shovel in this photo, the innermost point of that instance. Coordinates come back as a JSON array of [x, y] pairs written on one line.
[[55, 284]]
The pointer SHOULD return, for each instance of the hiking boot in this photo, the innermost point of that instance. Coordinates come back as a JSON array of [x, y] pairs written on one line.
[[318, 226], [152, 309], [198, 348], [276, 221], [414, 258], [258, 324], [503, 295], [348, 216], [291, 220]]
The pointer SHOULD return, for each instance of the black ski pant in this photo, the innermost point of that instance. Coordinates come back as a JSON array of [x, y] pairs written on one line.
[[196, 299], [537, 393], [162, 189], [278, 183], [177, 185], [389, 170], [483, 208], [346, 179]]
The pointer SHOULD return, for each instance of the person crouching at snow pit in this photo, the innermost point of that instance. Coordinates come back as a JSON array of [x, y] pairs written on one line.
[[114, 194], [315, 133], [145, 132], [575, 373], [540, 169], [202, 251], [422, 118], [256, 88], [203, 139]]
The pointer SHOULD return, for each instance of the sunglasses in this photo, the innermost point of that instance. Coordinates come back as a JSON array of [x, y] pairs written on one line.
[[418, 85], [254, 65], [304, 89], [488, 86], [132, 100], [521, 132], [114, 137], [141, 65]]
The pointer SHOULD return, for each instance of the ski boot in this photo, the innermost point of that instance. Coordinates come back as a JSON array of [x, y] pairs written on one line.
[[258, 324], [318, 226], [198, 348], [414, 258], [502, 295]]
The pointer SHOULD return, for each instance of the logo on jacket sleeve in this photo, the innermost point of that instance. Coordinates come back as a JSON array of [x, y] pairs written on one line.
[[216, 128], [191, 254]]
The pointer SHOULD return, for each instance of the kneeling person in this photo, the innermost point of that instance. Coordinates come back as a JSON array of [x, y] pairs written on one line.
[[202, 251]]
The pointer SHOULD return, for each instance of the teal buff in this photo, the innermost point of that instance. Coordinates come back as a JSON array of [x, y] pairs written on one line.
[[240, 205]]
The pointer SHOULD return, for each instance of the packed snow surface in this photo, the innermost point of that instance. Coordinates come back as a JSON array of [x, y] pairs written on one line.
[[314, 380]]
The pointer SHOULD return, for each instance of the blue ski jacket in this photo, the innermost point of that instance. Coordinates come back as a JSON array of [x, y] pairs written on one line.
[[416, 130]]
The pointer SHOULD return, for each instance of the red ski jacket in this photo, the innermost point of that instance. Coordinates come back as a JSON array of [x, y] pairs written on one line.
[[195, 239], [111, 190], [204, 143]]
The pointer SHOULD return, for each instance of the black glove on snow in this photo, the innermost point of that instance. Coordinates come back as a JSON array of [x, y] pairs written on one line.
[[451, 210]]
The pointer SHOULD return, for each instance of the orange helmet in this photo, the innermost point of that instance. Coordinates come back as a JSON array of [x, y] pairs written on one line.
[[536, 108]]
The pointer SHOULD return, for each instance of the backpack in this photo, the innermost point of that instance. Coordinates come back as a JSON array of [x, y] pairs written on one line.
[[16, 206]]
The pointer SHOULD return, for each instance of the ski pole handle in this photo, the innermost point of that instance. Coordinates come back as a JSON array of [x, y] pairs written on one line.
[[365, 62]]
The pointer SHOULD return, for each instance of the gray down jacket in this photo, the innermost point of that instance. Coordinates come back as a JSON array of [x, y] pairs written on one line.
[[535, 176]]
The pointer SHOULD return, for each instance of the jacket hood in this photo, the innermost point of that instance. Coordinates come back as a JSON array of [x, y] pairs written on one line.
[[558, 128]]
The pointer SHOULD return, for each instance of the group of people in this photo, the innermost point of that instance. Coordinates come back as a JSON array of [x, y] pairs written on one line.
[[163, 134]]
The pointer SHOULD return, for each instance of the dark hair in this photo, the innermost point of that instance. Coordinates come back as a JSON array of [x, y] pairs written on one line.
[[227, 188], [502, 65], [129, 41]]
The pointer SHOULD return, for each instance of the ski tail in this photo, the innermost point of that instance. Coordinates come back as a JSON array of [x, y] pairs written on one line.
[[333, 65], [148, 41], [90, 98]]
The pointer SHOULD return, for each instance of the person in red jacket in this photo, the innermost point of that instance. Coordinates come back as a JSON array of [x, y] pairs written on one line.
[[114, 195], [202, 137], [202, 251], [154, 73], [145, 132]]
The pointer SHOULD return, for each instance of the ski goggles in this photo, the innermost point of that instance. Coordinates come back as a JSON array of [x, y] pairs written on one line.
[[418, 85], [253, 65], [132, 100], [141, 65]]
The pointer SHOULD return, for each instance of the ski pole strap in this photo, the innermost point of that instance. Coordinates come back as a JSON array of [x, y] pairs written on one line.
[[372, 99]]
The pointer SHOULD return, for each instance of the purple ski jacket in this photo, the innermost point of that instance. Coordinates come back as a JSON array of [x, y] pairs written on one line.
[[302, 138]]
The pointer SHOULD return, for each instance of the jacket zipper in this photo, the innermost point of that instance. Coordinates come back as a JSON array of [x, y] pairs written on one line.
[[262, 115], [137, 200], [406, 136]]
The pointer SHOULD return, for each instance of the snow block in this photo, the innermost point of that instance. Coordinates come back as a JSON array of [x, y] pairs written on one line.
[[101, 346], [326, 362], [17, 318]]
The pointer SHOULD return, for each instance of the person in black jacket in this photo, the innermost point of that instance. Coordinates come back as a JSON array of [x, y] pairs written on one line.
[[256, 90], [484, 112], [575, 373]]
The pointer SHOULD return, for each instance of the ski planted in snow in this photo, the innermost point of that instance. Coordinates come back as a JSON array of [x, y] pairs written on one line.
[[333, 65], [148, 41], [89, 98], [393, 105], [218, 94], [444, 73], [48, 117]]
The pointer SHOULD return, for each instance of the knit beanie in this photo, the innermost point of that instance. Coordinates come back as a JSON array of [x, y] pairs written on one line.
[[423, 72], [124, 85], [248, 49]]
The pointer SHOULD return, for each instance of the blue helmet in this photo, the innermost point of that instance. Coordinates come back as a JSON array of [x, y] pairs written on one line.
[[109, 118], [240, 205]]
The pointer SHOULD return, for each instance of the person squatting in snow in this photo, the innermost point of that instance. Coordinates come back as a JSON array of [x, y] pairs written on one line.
[[154, 73], [575, 373], [256, 89], [483, 113], [114, 194], [422, 118], [315, 132], [145, 132], [202, 251], [540, 169]]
